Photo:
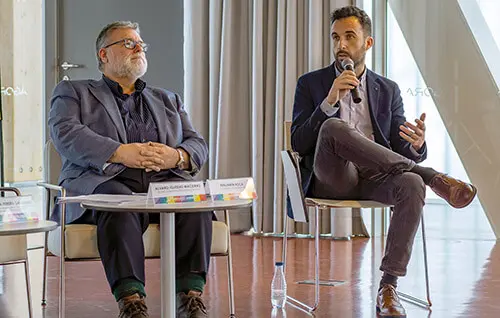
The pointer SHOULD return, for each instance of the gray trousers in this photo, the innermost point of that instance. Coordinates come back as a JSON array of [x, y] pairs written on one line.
[[347, 165]]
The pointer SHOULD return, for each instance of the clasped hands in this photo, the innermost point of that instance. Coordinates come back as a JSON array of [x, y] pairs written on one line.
[[151, 156]]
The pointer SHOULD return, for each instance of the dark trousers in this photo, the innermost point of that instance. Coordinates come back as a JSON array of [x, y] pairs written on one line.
[[347, 165], [119, 235]]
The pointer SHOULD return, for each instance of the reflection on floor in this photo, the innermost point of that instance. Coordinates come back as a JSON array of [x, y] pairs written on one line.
[[464, 273], [465, 276]]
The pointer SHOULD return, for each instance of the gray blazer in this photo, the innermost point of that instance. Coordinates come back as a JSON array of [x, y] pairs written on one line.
[[86, 128]]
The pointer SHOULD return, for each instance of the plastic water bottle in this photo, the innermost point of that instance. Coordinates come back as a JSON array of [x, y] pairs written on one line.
[[278, 287], [278, 313]]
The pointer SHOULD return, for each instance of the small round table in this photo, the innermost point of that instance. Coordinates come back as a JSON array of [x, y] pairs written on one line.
[[167, 232], [27, 227], [22, 228]]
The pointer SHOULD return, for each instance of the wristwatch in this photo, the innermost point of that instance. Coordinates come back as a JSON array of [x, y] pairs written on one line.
[[181, 159]]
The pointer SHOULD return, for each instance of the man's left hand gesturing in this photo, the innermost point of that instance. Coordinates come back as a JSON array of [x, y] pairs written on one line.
[[414, 134]]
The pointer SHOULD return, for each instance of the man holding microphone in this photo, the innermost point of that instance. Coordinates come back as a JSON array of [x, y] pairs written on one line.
[[350, 130]]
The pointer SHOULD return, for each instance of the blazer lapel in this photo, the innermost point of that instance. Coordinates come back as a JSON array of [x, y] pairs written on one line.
[[328, 78], [157, 107], [103, 93], [373, 93]]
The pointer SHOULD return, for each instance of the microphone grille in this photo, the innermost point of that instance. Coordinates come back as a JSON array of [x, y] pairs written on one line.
[[346, 62]]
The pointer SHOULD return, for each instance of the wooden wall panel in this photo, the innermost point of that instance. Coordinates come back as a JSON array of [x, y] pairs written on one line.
[[7, 73], [21, 62]]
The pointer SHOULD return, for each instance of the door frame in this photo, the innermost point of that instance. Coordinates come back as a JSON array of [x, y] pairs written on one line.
[[50, 18]]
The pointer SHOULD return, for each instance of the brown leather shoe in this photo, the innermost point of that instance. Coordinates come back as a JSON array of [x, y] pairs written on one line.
[[457, 193], [191, 305], [133, 306], [388, 303]]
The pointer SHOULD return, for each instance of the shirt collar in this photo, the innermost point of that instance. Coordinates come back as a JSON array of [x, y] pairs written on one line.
[[117, 89], [362, 78]]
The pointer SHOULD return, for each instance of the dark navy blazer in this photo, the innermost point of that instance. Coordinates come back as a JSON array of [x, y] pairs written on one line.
[[386, 113]]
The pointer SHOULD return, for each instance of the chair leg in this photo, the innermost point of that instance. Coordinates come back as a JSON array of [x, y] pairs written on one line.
[[62, 276], [294, 302], [385, 217], [385, 220], [28, 286], [62, 272], [232, 313], [44, 279], [316, 261], [45, 249], [285, 240], [372, 223], [427, 304], [427, 287]]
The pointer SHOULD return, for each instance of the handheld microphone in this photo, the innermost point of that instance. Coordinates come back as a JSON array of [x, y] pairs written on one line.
[[348, 65]]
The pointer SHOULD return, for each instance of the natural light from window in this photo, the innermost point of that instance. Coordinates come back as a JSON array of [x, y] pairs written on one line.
[[490, 10], [417, 98]]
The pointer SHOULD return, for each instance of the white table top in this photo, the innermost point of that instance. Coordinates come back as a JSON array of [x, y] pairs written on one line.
[[186, 207], [27, 227]]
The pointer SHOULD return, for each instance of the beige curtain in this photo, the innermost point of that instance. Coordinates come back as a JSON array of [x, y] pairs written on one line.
[[242, 62]]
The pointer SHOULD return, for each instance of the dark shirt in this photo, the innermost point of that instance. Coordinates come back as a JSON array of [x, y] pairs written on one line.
[[140, 127], [136, 115]]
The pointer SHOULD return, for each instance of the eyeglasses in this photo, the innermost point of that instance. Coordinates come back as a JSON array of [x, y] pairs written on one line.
[[130, 44]]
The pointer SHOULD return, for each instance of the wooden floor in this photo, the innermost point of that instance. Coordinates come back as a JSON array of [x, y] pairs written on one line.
[[464, 272]]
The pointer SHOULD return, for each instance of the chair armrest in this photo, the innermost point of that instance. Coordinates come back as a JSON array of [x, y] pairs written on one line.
[[52, 187], [10, 189]]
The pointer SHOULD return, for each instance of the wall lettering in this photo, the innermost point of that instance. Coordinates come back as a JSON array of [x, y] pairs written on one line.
[[11, 91]]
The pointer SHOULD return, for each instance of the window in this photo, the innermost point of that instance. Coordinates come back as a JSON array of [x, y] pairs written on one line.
[[442, 156], [489, 10], [481, 16], [417, 97], [367, 6]]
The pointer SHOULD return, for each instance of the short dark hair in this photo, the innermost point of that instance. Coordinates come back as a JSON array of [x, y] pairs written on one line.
[[352, 11]]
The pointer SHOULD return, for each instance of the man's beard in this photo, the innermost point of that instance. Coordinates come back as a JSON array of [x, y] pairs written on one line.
[[358, 61], [130, 68]]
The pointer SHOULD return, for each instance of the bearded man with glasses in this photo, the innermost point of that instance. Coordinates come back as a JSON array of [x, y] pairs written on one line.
[[115, 136]]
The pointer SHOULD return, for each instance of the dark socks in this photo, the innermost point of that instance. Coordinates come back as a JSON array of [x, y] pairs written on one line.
[[389, 279], [192, 281], [127, 287], [426, 173]]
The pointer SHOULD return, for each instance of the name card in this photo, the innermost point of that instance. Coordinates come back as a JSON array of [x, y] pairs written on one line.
[[232, 189], [176, 192], [17, 209]]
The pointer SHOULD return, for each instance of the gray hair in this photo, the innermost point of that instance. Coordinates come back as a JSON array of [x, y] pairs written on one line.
[[103, 35]]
